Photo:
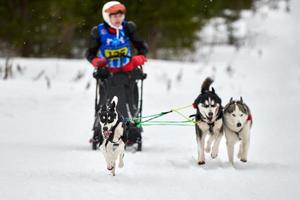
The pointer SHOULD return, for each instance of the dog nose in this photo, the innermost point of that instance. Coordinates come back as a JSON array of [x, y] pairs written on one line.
[[210, 114], [105, 129], [239, 124]]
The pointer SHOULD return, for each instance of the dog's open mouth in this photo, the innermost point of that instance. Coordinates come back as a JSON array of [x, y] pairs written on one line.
[[106, 134], [209, 118]]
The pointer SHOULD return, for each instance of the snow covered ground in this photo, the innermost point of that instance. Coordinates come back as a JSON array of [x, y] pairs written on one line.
[[44, 133]]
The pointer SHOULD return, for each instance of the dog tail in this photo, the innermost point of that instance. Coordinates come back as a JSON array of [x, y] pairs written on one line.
[[206, 84]]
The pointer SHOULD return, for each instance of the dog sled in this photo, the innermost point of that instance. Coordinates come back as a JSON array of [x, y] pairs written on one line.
[[128, 87]]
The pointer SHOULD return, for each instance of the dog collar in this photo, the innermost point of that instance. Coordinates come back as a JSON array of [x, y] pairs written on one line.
[[238, 134]]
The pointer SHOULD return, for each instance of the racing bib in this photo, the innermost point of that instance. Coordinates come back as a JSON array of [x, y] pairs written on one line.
[[115, 53]]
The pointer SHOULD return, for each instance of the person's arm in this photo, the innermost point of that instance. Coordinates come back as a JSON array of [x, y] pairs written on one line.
[[94, 44], [137, 42]]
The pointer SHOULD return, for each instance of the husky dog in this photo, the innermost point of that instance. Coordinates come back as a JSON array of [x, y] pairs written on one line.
[[114, 135], [237, 125], [208, 121]]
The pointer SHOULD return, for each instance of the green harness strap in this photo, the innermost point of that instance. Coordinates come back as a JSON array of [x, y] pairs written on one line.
[[149, 119]]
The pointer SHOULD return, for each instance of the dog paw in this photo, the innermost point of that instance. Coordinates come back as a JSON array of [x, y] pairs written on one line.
[[243, 160], [201, 162], [213, 155]]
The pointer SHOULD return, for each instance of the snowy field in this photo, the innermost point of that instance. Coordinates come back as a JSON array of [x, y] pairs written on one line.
[[44, 133]]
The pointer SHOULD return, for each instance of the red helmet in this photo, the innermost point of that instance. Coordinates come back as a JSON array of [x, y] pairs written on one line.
[[112, 7], [116, 8]]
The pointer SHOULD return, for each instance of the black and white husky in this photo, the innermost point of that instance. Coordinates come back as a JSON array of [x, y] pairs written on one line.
[[114, 135], [208, 121], [237, 125]]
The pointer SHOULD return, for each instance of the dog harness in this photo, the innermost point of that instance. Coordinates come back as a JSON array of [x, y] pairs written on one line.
[[211, 125], [238, 134], [111, 136], [250, 118], [200, 117]]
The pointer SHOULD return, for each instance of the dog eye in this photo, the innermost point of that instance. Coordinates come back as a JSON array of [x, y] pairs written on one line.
[[103, 118], [233, 115], [110, 118], [241, 115]]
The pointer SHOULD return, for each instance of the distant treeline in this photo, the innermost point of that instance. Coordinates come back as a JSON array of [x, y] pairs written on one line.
[[61, 28]]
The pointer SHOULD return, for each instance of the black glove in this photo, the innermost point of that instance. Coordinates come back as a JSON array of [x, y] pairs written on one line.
[[138, 74], [101, 74]]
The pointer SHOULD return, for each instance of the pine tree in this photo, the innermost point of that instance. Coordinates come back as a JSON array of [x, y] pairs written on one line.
[[59, 27]]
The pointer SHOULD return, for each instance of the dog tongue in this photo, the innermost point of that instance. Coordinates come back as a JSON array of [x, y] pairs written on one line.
[[106, 133]]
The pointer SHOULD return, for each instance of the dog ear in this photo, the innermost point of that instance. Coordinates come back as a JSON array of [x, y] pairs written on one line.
[[112, 106], [231, 108], [202, 91], [114, 102], [231, 99], [213, 90], [241, 100]]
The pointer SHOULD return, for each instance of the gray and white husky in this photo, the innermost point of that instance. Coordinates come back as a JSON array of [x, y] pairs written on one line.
[[208, 121], [113, 132], [237, 125]]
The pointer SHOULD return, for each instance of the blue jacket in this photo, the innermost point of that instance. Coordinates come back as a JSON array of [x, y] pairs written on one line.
[[98, 44], [115, 47]]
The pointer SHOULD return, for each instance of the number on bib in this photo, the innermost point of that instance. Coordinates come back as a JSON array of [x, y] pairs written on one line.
[[115, 53]]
